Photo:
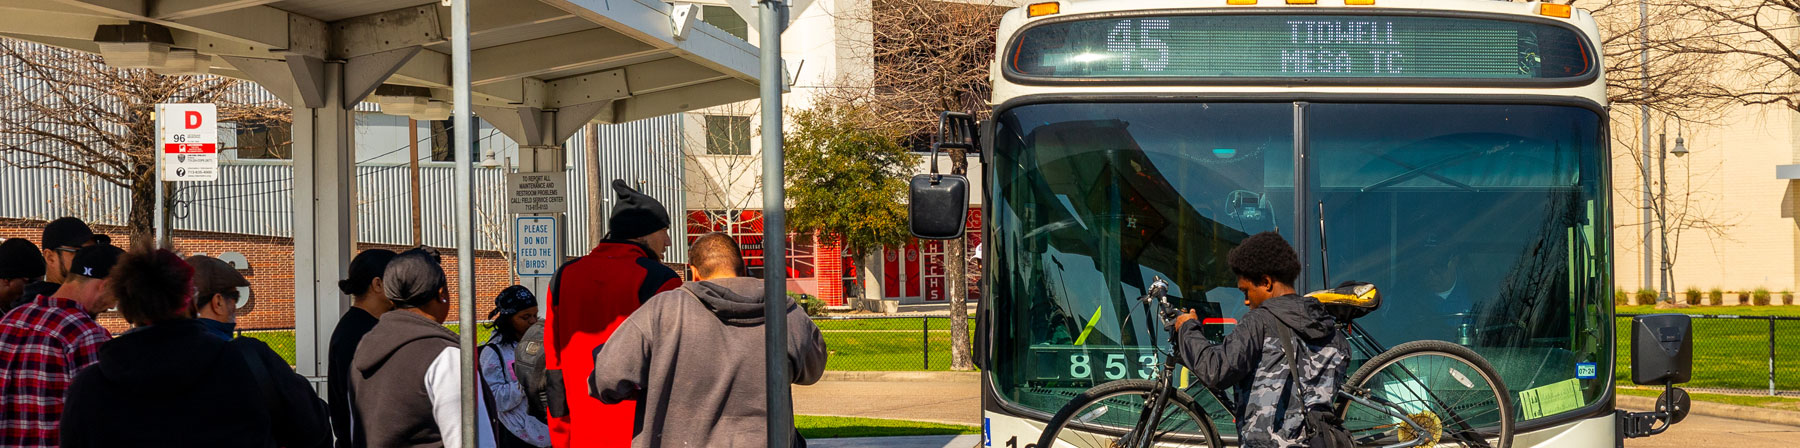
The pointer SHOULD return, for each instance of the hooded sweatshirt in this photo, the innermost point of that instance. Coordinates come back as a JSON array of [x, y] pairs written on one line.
[[693, 359], [1252, 362], [406, 379], [174, 384]]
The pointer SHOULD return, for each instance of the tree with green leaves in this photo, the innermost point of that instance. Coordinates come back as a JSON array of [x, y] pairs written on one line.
[[846, 176]]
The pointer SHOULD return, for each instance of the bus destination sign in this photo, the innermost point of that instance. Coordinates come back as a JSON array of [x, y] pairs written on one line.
[[1299, 46]]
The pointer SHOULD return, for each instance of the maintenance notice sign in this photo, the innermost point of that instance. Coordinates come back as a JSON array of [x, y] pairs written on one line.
[[529, 193]]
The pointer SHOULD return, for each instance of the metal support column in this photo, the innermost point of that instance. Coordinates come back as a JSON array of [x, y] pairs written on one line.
[[781, 414], [324, 221], [465, 210]]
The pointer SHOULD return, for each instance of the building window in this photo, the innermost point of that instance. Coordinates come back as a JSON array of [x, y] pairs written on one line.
[[265, 141], [726, 19], [727, 135]]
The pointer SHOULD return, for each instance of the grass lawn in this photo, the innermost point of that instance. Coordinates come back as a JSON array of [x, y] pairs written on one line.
[[1730, 353], [817, 427], [1789, 311], [1782, 403]]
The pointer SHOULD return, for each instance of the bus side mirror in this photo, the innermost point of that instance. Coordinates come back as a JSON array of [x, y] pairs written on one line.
[[1662, 349], [938, 206]]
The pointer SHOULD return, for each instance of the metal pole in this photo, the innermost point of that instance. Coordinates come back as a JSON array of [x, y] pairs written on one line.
[[156, 166], [1644, 110], [781, 416], [462, 145], [925, 341], [1771, 356]]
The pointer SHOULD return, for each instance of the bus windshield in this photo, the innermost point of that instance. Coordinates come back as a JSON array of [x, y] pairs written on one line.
[[1483, 225]]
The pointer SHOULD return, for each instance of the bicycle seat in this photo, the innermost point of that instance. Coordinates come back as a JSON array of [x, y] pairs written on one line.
[[1349, 301]]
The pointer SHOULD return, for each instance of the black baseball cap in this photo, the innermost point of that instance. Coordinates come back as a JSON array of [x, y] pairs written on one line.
[[67, 231], [95, 261]]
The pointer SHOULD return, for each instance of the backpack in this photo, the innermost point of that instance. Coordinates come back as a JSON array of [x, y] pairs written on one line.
[[528, 365], [1321, 429]]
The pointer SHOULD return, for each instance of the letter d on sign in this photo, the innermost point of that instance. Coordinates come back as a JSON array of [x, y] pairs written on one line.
[[191, 119]]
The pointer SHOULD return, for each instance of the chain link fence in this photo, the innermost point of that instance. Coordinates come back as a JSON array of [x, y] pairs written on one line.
[[871, 343], [888, 343], [1733, 354], [282, 339]]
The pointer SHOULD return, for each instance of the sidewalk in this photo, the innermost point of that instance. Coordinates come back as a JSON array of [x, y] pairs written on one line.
[[941, 397]]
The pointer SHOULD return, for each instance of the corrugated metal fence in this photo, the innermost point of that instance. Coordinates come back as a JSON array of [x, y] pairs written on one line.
[[256, 197]]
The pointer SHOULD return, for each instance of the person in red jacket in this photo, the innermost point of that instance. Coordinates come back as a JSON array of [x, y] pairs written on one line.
[[589, 297]]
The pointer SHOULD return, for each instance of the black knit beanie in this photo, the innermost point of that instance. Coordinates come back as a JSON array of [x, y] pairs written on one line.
[[635, 214], [20, 259]]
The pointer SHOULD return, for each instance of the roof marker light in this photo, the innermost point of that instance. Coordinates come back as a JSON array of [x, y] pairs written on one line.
[[1555, 10], [1303, 2], [1240, 2], [1359, 2], [1042, 9]]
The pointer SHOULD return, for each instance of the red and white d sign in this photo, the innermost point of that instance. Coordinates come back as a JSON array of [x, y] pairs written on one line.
[[188, 135]]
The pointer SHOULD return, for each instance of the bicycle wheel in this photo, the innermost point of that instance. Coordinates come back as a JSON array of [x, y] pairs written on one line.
[[1446, 388], [1105, 415]]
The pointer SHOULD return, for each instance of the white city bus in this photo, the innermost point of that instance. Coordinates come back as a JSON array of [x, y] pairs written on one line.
[[1453, 152]]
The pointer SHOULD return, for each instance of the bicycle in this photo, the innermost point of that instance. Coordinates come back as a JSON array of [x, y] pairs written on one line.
[[1383, 404]]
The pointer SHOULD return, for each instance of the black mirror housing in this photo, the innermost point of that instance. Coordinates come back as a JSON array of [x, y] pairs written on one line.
[[938, 206], [1662, 349]]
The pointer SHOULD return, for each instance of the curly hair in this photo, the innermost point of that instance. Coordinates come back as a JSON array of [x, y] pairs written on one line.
[[1265, 254], [152, 285]]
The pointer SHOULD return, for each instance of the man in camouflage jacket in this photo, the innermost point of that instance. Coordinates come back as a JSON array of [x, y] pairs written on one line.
[[1251, 360]]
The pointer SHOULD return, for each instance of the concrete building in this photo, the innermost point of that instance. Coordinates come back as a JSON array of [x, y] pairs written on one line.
[[1730, 205], [827, 45]]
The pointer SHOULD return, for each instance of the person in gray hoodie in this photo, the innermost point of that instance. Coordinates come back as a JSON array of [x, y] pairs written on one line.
[[693, 359], [406, 376]]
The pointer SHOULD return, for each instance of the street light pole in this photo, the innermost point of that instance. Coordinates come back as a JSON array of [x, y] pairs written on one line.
[[1662, 213], [1644, 150]]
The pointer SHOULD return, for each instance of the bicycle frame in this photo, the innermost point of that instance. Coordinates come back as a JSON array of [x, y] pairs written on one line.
[[1143, 433]]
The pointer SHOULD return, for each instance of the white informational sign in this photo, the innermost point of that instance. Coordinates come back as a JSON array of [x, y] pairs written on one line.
[[188, 142], [529, 193], [536, 246]]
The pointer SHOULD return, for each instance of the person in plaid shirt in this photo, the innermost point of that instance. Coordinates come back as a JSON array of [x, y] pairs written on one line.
[[44, 343]]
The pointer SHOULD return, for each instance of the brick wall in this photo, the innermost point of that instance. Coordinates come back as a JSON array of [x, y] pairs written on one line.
[[272, 271]]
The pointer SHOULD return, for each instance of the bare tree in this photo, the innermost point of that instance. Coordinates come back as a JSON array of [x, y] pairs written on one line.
[[930, 56], [724, 166], [1673, 58], [69, 111]]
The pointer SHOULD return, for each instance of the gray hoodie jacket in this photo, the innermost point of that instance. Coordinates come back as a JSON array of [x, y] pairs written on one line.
[[692, 357]]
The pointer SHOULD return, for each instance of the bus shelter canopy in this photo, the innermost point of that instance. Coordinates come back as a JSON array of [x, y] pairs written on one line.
[[611, 60]]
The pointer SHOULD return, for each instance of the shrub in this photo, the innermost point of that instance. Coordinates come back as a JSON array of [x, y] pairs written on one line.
[[813, 306], [1646, 296], [1743, 297], [1787, 297], [1715, 297], [1692, 295], [1621, 298], [1760, 297]]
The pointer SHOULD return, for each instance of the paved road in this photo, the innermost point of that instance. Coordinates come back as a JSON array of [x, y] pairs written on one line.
[[959, 402], [1703, 431]]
